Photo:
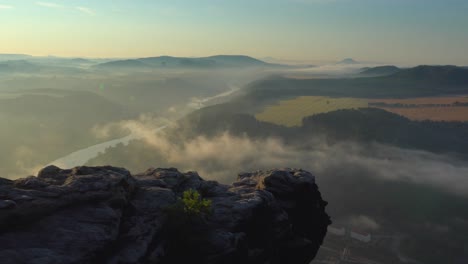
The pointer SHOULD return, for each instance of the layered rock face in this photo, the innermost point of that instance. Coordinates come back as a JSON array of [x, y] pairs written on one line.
[[106, 215]]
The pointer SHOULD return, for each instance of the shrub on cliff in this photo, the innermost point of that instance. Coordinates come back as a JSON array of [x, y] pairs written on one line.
[[185, 232], [194, 205]]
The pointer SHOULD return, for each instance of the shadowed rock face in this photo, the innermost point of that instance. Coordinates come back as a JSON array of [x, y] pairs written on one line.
[[106, 215]]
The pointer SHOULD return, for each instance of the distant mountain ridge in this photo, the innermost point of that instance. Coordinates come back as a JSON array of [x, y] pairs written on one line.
[[11, 66], [4, 57], [23, 66], [226, 61]]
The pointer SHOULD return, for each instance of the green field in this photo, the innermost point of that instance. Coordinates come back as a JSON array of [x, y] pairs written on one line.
[[290, 112]]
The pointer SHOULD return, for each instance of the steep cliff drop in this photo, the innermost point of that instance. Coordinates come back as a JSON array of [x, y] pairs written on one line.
[[106, 215]]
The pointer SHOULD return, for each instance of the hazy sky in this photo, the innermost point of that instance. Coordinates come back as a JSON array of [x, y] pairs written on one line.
[[398, 31]]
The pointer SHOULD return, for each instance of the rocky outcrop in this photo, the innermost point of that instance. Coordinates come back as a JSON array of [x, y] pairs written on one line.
[[106, 215]]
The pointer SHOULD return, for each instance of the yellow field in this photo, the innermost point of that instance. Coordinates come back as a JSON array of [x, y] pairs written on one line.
[[290, 112], [424, 100], [434, 113]]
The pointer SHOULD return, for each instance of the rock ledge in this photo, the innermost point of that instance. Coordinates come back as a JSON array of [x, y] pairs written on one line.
[[106, 215]]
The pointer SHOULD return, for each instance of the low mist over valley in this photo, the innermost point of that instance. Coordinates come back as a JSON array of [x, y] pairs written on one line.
[[282, 131]]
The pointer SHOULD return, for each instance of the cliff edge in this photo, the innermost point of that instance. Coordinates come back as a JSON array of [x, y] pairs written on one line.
[[107, 215]]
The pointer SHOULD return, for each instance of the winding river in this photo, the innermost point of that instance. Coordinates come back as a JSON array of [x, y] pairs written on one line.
[[82, 156]]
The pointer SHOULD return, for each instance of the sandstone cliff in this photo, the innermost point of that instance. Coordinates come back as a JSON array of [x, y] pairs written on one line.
[[106, 215]]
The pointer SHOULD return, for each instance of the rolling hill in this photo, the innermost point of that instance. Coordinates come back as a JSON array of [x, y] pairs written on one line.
[[435, 74], [414, 82], [348, 61], [123, 64], [380, 70]]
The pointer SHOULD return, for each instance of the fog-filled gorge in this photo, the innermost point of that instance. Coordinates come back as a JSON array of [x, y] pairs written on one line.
[[402, 181], [220, 157]]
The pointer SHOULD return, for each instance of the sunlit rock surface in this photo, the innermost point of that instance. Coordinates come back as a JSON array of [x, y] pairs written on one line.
[[106, 215]]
